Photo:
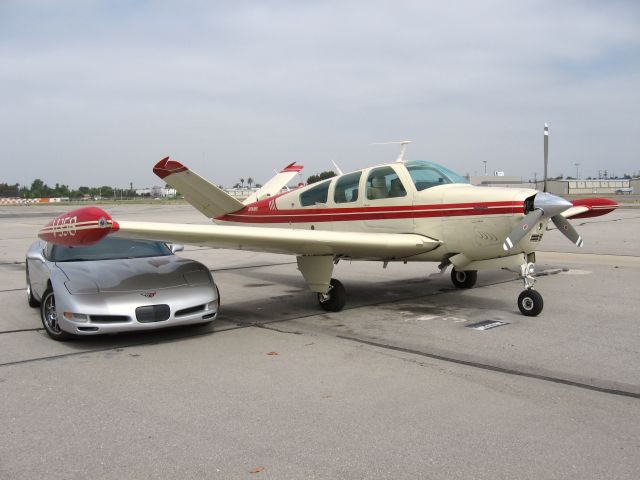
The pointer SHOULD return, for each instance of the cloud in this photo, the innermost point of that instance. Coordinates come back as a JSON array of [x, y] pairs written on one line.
[[96, 92]]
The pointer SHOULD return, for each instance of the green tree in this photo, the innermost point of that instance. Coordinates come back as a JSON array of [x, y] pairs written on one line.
[[36, 189], [320, 176]]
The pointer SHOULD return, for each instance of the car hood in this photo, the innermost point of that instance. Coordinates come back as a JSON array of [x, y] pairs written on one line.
[[132, 275]]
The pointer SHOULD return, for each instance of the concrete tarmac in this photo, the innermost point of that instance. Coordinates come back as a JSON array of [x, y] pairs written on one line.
[[395, 386]]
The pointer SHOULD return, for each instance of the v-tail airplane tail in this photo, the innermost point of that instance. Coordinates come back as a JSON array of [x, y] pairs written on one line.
[[208, 198]]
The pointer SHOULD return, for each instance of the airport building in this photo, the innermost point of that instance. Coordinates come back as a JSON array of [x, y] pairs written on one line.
[[589, 187]]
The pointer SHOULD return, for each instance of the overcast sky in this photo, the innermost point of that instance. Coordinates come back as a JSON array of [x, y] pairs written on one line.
[[96, 92]]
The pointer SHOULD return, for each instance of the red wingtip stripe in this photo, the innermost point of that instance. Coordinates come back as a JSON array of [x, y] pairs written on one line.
[[166, 167], [596, 206], [292, 167], [83, 226]]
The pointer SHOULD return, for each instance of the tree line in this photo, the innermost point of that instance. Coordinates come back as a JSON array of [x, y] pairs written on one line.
[[39, 189]]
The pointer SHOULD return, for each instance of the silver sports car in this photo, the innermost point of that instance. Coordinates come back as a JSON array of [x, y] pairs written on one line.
[[117, 285]]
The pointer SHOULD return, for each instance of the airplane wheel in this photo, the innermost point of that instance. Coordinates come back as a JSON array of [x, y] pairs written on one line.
[[530, 303], [464, 279], [335, 298]]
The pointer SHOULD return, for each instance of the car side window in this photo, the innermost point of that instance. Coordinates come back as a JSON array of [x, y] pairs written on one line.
[[382, 183], [315, 195], [346, 190]]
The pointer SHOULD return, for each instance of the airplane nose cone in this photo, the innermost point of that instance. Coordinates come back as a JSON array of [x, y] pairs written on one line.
[[550, 204]]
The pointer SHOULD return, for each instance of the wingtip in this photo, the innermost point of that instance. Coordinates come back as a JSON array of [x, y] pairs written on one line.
[[292, 167], [166, 167]]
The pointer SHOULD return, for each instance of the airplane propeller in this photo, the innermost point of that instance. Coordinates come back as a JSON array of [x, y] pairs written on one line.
[[545, 205], [567, 229]]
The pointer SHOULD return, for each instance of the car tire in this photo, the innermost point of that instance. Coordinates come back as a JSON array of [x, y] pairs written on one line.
[[49, 317], [33, 303]]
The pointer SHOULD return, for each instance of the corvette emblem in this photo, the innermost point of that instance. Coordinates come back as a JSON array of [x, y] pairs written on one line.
[[149, 294]]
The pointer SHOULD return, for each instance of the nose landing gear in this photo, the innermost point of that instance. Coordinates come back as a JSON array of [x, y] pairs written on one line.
[[530, 301]]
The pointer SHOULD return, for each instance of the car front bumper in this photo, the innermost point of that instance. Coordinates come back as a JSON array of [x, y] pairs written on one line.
[[137, 311]]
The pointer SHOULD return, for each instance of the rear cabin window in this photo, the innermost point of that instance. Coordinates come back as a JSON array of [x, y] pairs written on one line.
[[315, 195], [382, 183], [346, 190]]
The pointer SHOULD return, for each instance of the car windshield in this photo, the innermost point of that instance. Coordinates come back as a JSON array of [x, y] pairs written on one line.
[[110, 249], [428, 174]]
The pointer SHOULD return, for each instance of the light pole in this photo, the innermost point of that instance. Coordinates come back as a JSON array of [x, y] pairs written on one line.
[[577, 171], [485, 167]]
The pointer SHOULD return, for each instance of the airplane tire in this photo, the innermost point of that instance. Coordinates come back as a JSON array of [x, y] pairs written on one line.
[[464, 279], [335, 298], [530, 303]]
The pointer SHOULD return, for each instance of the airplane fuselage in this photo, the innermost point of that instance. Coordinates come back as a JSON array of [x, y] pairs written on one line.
[[465, 218]]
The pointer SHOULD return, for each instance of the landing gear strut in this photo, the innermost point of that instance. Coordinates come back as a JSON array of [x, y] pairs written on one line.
[[530, 301], [335, 298]]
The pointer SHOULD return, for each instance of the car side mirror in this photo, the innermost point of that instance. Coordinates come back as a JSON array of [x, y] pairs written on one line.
[[176, 247], [37, 255]]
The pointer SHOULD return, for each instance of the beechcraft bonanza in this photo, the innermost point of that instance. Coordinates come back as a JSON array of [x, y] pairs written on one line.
[[404, 211]]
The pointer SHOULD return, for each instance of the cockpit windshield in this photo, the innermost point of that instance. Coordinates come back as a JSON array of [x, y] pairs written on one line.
[[427, 174]]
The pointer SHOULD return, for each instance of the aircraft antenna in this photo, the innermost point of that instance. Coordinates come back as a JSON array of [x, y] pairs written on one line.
[[337, 167], [403, 148], [546, 155]]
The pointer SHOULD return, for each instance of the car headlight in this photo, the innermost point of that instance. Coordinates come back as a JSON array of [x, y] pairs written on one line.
[[80, 288], [76, 317], [212, 305], [198, 277]]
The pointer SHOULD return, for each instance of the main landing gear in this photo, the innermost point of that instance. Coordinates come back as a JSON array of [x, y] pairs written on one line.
[[464, 278], [530, 301], [335, 298]]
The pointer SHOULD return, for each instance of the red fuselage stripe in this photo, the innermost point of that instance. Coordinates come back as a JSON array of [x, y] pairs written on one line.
[[372, 213]]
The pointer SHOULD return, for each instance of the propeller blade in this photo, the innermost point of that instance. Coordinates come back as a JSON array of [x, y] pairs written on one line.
[[567, 229], [523, 228], [546, 155]]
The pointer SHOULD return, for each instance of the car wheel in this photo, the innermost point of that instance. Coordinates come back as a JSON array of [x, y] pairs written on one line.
[[49, 317], [33, 303]]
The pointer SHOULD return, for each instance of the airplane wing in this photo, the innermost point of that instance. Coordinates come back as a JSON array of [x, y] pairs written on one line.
[[89, 225], [273, 186]]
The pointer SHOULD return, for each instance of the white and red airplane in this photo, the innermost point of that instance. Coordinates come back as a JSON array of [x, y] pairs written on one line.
[[405, 211]]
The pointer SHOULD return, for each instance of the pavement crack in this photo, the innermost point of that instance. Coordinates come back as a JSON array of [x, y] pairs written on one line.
[[498, 369]]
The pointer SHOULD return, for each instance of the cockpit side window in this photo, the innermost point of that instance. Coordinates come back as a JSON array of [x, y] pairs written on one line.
[[382, 183], [426, 175], [346, 190], [315, 195]]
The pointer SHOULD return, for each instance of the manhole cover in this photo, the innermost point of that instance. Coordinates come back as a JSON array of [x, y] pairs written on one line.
[[487, 324]]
